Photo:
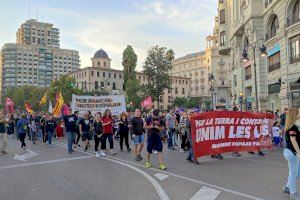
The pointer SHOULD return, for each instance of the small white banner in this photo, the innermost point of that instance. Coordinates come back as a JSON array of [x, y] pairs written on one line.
[[116, 104]]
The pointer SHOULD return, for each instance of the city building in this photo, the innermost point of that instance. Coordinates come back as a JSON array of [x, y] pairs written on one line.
[[36, 59], [202, 65], [101, 76], [262, 40]]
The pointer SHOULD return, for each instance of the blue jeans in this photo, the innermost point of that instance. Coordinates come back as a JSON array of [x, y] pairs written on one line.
[[171, 132], [191, 153], [294, 170], [110, 139], [70, 140], [49, 134]]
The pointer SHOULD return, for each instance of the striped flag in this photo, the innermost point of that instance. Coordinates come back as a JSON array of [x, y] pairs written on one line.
[[59, 103]]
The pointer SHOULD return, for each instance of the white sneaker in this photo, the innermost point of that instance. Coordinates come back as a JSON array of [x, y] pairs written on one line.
[[102, 153], [97, 155], [155, 152], [181, 151]]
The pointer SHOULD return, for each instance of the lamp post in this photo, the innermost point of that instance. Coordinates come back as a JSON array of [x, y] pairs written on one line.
[[241, 96], [245, 59], [211, 79]]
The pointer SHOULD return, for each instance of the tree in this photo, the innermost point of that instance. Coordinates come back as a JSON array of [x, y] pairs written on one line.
[[129, 61], [133, 93], [156, 68]]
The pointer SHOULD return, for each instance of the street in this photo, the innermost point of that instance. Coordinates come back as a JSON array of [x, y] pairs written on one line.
[[44, 173]]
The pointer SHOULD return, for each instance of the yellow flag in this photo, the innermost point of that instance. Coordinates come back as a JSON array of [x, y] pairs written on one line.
[[43, 100]]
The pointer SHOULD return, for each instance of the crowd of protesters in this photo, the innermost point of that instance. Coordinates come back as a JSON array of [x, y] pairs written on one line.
[[172, 127]]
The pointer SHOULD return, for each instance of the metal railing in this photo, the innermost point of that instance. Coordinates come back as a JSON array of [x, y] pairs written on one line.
[[274, 66], [247, 76], [292, 20], [295, 58], [271, 33]]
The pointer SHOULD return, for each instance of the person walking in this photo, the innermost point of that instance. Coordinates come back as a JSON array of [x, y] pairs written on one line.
[[70, 125], [77, 136], [292, 152], [85, 128], [98, 132], [184, 129], [107, 121], [3, 133], [22, 130], [11, 126], [50, 126], [123, 131], [171, 124], [137, 134], [34, 126], [153, 124]]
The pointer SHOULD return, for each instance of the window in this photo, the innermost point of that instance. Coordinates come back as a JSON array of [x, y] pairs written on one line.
[[115, 75], [84, 74], [104, 64], [92, 73], [98, 74], [235, 80], [274, 62], [222, 38], [103, 74], [183, 92], [296, 12], [120, 76], [114, 86], [109, 75], [295, 49], [102, 84], [98, 64], [248, 73], [96, 85], [222, 16], [274, 27], [176, 90]]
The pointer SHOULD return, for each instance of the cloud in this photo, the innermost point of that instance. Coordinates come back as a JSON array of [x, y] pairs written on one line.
[[181, 25]]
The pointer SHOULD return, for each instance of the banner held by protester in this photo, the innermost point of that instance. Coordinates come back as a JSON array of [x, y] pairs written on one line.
[[218, 132]]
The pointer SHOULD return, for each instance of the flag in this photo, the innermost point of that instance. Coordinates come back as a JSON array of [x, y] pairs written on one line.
[[50, 109], [9, 106], [65, 110], [43, 100], [147, 103], [28, 108], [59, 103]]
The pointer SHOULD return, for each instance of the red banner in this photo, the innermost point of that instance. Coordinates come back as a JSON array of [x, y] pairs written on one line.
[[229, 131]]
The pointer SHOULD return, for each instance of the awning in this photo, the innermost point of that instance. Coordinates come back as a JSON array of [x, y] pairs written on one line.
[[273, 50]]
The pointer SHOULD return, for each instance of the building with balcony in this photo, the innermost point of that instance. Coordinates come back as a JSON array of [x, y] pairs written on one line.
[[251, 26], [36, 58]]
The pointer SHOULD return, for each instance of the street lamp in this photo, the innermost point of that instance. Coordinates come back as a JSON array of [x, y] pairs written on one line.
[[245, 59], [211, 79], [241, 96]]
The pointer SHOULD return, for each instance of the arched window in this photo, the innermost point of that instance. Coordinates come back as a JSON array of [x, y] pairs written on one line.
[[274, 26], [296, 12]]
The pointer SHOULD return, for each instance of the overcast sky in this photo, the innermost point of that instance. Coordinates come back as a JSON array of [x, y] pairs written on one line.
[[88, 25]]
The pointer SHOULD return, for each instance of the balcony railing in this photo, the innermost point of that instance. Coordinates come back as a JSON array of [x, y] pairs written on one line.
[[274, 66], [247, 76], [295, 59], [271, 33], [292, 20]]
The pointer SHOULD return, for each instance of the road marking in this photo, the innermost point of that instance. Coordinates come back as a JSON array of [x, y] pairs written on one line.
[[206, 193], [25, 156], [44, 162], [171, 174], [259, 161], [161, 176], [160, 191]]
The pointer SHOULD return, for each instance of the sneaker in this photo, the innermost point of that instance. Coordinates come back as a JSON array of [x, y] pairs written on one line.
[[155, 152], [70, 152], [128, 150], [236, 154], [181, 151], [147, 164], [50, 146], [102, 154], [140, 157], [162, 166], [286, 190], [97, 155], [74, 146], [292, 196], [172, 148], [220, 157], [25, 147], [78, 145], [260, 153], [3, 152], [10, 136], [251, 152], [113, 152]]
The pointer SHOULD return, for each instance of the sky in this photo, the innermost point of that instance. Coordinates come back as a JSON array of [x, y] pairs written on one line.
[[88, 25]]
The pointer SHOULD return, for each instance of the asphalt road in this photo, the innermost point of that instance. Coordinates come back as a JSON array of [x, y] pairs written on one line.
[[52, 174]]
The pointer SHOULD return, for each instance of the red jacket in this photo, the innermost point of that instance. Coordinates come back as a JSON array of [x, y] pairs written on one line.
[[107, 129]]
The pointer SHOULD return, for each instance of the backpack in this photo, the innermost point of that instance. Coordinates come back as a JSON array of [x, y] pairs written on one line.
[[24, 127]]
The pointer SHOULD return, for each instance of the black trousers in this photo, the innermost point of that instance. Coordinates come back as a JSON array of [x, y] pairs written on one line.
[[124, 135], [97, 141], [183, 141], [22, 139], [108, 136], [76, 140]]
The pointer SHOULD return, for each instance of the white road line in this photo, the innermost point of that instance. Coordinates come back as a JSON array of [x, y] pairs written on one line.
[[259, 161], [44, 162], [160, 191], [206, 193], [161, 176], [175, 175]]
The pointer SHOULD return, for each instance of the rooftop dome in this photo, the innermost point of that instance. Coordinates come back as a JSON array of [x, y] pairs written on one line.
[[101, 54]]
